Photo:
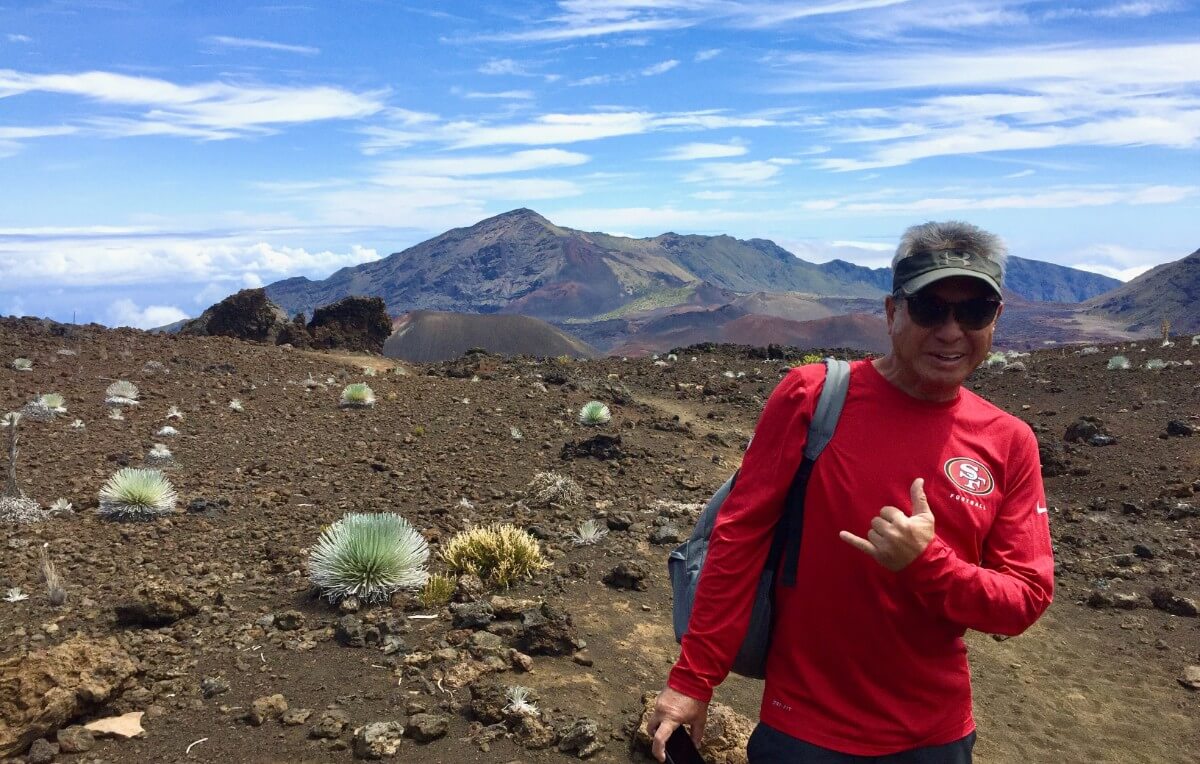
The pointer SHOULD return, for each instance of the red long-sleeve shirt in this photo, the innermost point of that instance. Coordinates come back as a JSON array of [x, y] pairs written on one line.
[[863, 660]]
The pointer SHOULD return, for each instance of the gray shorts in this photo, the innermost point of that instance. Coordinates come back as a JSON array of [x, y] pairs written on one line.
[[770, 746]]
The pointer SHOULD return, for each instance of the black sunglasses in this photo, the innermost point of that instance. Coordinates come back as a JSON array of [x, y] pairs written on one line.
[[928, 311]]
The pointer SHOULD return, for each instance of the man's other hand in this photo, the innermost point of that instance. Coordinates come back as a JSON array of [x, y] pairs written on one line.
[[672, 709], [895, 538]]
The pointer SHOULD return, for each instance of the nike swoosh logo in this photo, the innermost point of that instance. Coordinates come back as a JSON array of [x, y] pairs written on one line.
[[1042, 510]]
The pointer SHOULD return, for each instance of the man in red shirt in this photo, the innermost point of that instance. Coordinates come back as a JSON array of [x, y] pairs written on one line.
[[925, 516]]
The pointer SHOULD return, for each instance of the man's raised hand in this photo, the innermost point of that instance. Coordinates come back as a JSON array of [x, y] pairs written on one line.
[[896, 538]]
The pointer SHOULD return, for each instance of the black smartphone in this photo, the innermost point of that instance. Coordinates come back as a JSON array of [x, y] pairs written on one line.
[[681, 749]]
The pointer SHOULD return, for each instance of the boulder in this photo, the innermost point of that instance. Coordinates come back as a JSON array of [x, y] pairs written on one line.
[[43, 691], [548, 631], [155, 603], [378, 740], [352, 323], [247, 315], [725, 732]]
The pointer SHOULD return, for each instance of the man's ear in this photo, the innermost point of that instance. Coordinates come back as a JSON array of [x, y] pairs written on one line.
[[889, 307]]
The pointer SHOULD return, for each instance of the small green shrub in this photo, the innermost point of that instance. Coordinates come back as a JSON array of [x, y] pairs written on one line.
[[438, 591], [137, 494], [368, 556], [500, 554]]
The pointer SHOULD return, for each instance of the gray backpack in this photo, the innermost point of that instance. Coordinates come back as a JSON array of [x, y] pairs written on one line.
[[687, 560]]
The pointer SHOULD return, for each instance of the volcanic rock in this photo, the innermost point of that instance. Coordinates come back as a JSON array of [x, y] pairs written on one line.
[[247, 315], [42, 691]]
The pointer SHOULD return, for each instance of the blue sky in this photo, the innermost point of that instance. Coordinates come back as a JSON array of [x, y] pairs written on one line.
[[156, 156]]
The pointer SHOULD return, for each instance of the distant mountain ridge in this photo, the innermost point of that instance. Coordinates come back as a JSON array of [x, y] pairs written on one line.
[[1169, 291], [520, 262]]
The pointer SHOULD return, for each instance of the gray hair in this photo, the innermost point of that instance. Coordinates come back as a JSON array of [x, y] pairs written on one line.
[[952, 235]]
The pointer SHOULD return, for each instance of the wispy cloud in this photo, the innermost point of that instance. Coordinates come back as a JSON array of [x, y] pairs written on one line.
[[734, 173], [208, 110], [691, 151], [1115, 11], [660, 68], [556, 128], [706, 55], [1054, 198], [457, 166], [502, 66], [509, 95], [12, 137], [18, 37], [1020, 174], [243, 42], [1011, 99]]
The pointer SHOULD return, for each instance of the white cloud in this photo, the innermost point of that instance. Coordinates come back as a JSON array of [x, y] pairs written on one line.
[[651, 220], [1020, 174], [125, 312], [733, 173], [242, 42], [519, 161], [501, 66], [515, 95], [86, 257], [705, 55], [213, 109], [1011, 100], [660, 68], [1119, 261], [18, 38], [1116, 11], [713, 196], [1055, 198], [690, 151]]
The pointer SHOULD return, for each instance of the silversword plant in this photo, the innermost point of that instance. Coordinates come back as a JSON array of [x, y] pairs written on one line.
[[160, 456], [589, 532], [137, 494], [121, 393], [14, 594], [1118, 362], [594, 413], [61, 507], [358, 394], [167, 432], [548, 488], [236, 405], [79, 425], [22, 364], [520, 702], [174, 413], [1156, 364], [369, 557], [115, 413]]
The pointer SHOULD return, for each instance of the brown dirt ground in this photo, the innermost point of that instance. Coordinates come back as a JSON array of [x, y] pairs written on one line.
[[1085, 684]]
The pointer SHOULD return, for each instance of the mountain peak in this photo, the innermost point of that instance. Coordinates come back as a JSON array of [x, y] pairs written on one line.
[[520, 214]]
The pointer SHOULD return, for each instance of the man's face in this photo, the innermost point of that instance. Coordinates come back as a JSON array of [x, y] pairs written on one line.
[[933, 362]]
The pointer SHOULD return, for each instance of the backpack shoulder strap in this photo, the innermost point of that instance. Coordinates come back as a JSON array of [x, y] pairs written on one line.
[[820, 432], [829, 407]]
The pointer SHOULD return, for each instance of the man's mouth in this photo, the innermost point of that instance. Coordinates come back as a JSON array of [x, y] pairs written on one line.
[[949, 357]]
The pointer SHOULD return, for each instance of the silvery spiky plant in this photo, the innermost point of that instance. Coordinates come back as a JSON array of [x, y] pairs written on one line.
[[520, 702], [589, 532], [22, 364], [594, 413], [369, 371], [159, 456], [137, 494], [1118, 362], [14, 594], [167, 431], [236, 405], [15, 507], [1156, 364], [174, 413], [54, 402], [77, 425], [358, 394], [115, 413], [311, 383], [121, 393], [515, 433], [369, 557], [61, 507]]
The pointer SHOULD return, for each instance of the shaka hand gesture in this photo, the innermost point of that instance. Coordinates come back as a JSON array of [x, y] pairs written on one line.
[[896, 538]]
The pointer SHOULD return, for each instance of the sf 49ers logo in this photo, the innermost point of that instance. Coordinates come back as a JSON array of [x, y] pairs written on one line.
[[970, 475]]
